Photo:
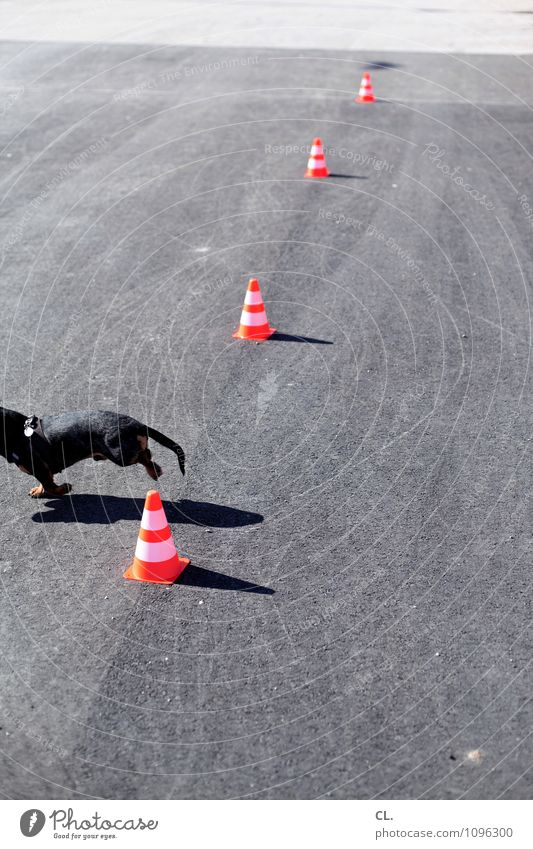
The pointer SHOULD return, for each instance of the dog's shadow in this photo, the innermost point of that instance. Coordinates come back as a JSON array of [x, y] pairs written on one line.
[[106, 509]]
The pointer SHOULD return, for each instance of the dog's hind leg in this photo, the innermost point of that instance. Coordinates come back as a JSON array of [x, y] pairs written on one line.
[[144, 457], [134, 449]]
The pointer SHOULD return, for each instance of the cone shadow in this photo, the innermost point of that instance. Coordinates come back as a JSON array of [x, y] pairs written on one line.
[[349, 176], [198, 576], [107, 509], [383, 66], [288, 337]]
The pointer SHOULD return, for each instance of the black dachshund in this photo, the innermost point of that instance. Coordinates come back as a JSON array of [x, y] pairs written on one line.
[[44, 447]]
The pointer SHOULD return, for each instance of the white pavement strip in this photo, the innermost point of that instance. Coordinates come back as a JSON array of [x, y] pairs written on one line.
[[479, 26]]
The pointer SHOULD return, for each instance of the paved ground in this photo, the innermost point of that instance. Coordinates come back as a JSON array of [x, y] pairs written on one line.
[[357, 503]]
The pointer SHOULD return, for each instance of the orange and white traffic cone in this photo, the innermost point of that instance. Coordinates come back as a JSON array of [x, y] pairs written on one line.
[[316, 167], [366, 93], [254, 323], [156, 560]]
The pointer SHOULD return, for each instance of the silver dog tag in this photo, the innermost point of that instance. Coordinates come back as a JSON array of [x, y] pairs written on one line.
[[30, 424]]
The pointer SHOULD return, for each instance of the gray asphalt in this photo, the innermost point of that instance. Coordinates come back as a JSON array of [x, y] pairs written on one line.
[[357, 499]]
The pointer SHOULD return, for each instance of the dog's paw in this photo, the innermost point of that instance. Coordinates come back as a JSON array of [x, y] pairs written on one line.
[[37, 491]]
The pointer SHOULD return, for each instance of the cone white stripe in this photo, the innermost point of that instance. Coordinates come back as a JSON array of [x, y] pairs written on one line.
[[155, 552], [316, 163], [253, 298], [316, 150], [253, 319], [154, 520]]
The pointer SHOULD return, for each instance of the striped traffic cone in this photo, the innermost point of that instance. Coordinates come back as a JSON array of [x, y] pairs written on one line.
[[366, 93], [316, 167], [254, 323], [156, 560]]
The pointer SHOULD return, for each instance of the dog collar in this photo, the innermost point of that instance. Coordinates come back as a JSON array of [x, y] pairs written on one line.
[[33, 425]]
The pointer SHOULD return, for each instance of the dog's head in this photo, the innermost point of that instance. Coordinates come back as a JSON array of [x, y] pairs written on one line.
[[2, 431], [11, 428]]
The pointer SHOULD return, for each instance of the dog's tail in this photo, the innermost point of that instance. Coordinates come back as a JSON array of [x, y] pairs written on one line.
[[168, 443]]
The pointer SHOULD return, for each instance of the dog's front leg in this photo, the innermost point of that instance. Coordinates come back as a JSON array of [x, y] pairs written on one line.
[[46, 487], [51, 489]]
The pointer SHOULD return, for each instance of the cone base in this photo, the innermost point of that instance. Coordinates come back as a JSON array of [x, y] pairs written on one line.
[[365, 99], [180, 566], [261, 337], [317, 174]]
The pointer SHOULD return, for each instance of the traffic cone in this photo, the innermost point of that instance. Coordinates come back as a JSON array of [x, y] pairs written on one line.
[[316, 167], [156, 560], [366, 93], [254, 323]]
